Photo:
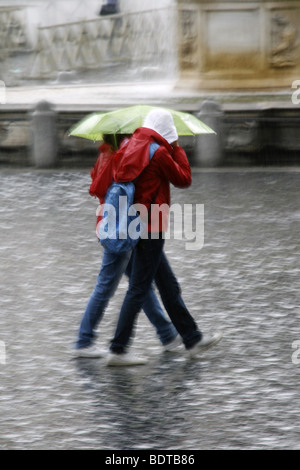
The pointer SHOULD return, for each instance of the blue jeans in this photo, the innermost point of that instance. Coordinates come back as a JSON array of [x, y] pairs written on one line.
[[112, 269], [150, 263]]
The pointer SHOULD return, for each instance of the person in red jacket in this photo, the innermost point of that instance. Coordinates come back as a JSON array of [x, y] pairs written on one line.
[[169, 164], [112, 268]]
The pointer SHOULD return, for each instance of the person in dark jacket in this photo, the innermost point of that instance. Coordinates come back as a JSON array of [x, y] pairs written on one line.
[[111, 7], [112, 269], [168, 165]]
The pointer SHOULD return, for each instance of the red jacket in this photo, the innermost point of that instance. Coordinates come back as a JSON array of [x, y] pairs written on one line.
[[102, 175], [168, 165]]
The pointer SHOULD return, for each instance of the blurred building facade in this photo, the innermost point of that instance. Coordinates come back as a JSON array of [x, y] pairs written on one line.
[[241, 57], [218, 45], [41, 38], [239, 45]]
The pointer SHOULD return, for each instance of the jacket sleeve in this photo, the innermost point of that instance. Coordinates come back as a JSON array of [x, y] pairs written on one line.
[[175, 167], [101, 176]]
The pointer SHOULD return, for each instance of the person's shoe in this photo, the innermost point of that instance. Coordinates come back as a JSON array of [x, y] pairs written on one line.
[[125, 359], [92, 351], [206, 342], [173, 345]]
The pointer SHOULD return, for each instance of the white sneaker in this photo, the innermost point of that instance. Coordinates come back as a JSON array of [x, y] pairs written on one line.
[[125, 359], [173, 345], [206, 342], [92, 351]]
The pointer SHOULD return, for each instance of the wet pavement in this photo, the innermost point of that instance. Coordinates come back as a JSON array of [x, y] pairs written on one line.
[[243, 394]]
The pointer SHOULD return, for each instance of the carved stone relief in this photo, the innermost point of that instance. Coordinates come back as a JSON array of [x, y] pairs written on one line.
[[283, 42], [189, 39], [12, 32], [239, 45]]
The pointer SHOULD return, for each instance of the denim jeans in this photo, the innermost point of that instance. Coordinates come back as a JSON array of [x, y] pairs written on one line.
[[150, 263], [112, 269]]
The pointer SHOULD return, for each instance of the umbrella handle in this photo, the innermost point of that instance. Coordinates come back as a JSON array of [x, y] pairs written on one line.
[[115, 141]]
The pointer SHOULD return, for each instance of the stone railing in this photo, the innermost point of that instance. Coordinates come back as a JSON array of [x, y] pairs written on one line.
[[137, 39]]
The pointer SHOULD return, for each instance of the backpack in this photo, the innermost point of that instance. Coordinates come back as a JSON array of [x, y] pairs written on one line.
[[121, 227]]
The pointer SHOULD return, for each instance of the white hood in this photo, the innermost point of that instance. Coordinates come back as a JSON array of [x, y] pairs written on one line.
[[161, 121]]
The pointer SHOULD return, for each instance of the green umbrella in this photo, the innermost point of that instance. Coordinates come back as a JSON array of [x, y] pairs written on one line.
[[88, 127], [127, 120]]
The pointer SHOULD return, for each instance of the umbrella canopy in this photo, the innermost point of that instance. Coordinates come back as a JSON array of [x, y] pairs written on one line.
[[127, 120]]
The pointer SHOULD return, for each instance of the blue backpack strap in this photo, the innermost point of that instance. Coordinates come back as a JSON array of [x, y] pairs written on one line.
[[113, 229], [153, 147]]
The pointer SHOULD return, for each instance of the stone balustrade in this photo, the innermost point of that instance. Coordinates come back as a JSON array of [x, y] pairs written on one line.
[[137, 40]]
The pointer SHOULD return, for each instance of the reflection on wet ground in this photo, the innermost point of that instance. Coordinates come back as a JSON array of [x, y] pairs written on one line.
[[243, 394]]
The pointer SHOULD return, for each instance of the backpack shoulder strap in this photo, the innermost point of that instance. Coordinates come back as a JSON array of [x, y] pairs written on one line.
[[153, 147]]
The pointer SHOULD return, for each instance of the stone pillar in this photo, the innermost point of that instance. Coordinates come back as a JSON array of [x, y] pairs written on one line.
[[44, 136], [209, 147]]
